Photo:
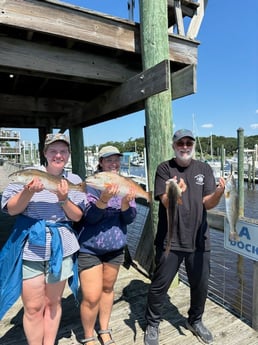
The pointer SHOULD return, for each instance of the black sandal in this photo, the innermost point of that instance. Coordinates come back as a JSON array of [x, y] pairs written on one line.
[[105, 331], [87, 340]]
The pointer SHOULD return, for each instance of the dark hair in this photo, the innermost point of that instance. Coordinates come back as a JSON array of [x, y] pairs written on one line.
[[99, 167]]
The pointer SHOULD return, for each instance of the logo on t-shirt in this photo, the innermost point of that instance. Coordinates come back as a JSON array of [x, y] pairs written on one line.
[[199, 179]]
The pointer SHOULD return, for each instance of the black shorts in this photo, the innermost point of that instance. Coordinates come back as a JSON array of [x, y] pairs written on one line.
[[86, 261]]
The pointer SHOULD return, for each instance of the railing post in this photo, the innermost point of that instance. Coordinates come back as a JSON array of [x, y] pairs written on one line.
[[240, 174], [241, 213], [255, 297]]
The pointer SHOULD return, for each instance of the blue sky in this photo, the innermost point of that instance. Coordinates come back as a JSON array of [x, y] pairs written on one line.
[[227, 76]]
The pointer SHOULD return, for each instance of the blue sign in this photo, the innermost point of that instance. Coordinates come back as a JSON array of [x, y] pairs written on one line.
[[247, 244]]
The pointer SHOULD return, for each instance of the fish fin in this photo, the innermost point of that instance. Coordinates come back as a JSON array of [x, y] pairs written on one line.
[[149, 197], [227, 194], [107, 184]]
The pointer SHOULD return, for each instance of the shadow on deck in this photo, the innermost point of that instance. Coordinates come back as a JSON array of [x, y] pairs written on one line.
[[127, 321]]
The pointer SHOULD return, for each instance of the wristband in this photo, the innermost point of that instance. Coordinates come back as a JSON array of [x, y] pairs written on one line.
[[63, 202]]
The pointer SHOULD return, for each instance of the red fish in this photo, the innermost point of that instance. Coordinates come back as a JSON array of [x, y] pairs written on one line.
[[104, 179]]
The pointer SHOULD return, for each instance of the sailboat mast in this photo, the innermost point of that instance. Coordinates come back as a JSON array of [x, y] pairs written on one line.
[[195, 133]]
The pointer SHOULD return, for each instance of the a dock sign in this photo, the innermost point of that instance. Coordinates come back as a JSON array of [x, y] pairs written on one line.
[[247, 245]]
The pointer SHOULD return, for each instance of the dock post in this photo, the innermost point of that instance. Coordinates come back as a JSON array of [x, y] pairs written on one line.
[[255, 297], [240, 133], [253, 170], [222, 161], [77, 148], [158, 112]]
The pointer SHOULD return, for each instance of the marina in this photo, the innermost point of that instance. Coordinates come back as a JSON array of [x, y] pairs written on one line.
[[92, 67]]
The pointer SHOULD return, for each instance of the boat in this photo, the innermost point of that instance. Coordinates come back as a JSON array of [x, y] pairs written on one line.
[[137, 162]]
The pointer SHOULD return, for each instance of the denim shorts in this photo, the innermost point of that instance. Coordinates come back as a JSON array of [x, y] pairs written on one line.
[[31, 269], [86, 261]]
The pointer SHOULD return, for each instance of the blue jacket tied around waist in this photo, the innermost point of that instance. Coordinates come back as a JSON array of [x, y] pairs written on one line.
[[11, 257]]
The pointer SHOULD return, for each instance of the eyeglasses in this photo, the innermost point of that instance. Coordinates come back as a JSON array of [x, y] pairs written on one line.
[[183, 143]]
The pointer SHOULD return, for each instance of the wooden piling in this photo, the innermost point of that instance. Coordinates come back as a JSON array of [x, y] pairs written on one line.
[[158, 112], [77, 148]]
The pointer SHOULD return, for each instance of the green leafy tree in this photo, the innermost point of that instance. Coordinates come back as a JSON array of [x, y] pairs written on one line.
[[203, 144]]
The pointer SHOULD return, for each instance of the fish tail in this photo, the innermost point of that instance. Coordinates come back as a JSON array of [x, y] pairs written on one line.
[[233, 236], [171, 214], [169, 234]]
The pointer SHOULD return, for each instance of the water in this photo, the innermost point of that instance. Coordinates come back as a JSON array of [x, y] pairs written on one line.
[[135, 171], [250, 203]]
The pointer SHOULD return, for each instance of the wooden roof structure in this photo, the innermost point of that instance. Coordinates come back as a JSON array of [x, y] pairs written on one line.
[[66, 67], [62, 65]]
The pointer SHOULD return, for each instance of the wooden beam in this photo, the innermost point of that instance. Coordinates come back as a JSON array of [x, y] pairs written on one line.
[[28, 121], [27, 109], [136, 89], [196, 21], [86, 26], [26, 104], [183, 82], [188, 10], [179, 18], [29, 58], [182, 50], [70, 22]]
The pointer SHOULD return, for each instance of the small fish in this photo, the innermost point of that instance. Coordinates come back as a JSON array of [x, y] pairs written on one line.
[[231, 203], [174, 194], [49, 181], [104, 179]]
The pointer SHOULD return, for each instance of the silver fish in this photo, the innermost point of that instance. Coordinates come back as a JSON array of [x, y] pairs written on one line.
[[231, 203], [49, 181], [104, 179], [174, 194]]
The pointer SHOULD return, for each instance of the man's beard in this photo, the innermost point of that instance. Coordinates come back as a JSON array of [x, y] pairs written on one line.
[[186, 156]]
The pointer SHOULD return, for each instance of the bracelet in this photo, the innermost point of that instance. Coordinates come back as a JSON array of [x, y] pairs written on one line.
[[63, 202], [103, 202]]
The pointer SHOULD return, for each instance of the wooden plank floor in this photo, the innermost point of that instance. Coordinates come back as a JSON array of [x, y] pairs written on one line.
[[128, 321]]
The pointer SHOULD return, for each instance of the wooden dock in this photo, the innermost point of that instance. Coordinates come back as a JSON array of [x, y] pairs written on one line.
[[127, 319]]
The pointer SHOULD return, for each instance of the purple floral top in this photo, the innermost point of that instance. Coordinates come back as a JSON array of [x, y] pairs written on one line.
[[104, 230]]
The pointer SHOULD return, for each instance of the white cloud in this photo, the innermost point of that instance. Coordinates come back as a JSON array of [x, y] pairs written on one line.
[[256, 111], [254, 125], [207, 125]]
